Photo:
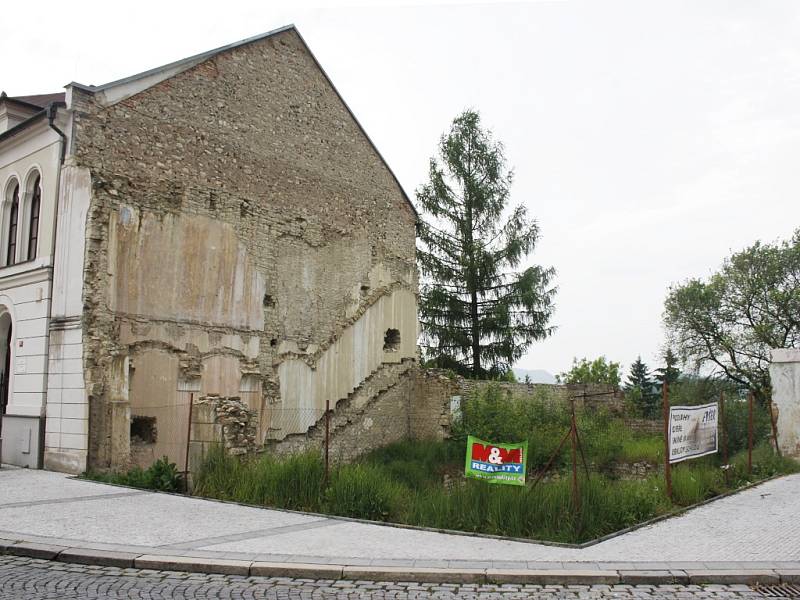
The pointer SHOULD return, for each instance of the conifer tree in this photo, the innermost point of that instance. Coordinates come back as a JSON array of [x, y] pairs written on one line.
[[480, 309], [669, 373], [640, 388]]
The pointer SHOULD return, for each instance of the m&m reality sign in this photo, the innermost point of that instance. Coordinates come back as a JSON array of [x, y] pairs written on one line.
[[496, 463]]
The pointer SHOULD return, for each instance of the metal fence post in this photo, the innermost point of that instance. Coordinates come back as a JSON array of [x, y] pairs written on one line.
[[724, 432], [188, 439], [667, 467], [574, 438], [327, 438], [750, 433]]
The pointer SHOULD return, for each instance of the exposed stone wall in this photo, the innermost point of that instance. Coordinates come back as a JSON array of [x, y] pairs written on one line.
[[591, 396], [438, 393], [239, 219], [376, 414]]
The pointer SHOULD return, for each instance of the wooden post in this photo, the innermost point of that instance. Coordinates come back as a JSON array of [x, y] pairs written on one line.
[[750, 433], [327, 438], [188, 440], [667, 468]]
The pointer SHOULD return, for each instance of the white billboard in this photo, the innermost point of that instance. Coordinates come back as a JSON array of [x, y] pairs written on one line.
[[692, 431]]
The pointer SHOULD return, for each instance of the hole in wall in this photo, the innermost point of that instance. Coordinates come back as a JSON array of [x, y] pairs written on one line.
[[268, 301], [143, 430], [391, 340], [273, 342]]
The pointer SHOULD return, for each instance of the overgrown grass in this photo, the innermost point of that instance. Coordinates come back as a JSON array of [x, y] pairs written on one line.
[[376, 489], [403, 482], [292, 482]]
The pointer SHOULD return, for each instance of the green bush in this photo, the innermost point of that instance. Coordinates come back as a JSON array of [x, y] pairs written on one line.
[[162, 475], [366, 492]]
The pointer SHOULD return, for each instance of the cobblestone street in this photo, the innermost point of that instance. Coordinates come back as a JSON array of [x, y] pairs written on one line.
[[32, 579]]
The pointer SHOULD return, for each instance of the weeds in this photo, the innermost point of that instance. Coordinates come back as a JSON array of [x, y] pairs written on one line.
[[162, 475]]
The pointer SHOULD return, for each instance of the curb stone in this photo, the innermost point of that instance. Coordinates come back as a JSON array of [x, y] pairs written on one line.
[[553, 576], [727, 577], [576, 575]]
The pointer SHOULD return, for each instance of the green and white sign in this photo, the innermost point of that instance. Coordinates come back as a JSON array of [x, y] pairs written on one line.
[[496, 463]]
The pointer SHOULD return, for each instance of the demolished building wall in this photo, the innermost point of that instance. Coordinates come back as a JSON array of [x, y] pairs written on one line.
[[244, 239]]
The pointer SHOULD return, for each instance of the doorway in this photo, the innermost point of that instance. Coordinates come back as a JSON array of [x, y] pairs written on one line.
[[5, 364]]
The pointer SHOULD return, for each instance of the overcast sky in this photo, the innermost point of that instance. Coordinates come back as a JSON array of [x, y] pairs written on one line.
[[649, 139]]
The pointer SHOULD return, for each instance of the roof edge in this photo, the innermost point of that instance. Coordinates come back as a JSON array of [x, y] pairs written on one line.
[[358, 124], [173, 68], [189, 61], [20, 127]]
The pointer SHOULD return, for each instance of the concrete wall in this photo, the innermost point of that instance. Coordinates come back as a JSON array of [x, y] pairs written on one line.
[[784, 372], [244, 236]]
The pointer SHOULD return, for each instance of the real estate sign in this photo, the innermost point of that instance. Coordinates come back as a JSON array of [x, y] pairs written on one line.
[[496, 463], [692, 431]]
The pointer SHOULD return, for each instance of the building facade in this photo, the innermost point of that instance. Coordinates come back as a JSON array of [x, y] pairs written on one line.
[[220, 225]]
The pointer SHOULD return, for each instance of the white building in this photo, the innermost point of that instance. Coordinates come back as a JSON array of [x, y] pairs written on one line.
[[32, 149]]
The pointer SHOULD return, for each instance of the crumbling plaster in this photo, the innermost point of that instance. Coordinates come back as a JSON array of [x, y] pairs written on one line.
[[237, 211]]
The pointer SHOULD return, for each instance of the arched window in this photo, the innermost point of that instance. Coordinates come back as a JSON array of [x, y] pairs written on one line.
[[33, 223], [13, 217]]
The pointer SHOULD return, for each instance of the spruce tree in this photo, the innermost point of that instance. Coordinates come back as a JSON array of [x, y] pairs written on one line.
[[640, 388], [480, 310], [669, 373]]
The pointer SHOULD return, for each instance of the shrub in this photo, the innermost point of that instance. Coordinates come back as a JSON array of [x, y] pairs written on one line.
[[162, 475]]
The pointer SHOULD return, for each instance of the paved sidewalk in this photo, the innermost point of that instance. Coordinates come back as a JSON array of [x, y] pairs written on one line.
[[756, 531]]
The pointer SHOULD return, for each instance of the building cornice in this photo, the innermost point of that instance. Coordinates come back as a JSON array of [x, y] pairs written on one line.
[[35, 271]]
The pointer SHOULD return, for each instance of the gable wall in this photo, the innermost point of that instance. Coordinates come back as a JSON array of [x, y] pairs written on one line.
[[240, 220]]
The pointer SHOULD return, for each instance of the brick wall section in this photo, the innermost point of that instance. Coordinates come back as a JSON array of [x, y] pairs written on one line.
[[254, 138]]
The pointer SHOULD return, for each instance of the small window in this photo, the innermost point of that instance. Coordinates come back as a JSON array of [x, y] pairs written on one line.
[[13, 216], [143, 430], [33, 228], [391, 340]]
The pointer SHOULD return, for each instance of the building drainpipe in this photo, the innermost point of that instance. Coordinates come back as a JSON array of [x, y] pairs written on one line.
[[52, 110]]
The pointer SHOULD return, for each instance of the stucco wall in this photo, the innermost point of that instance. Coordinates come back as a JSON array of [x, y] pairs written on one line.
[[242, 224], [784, 372]]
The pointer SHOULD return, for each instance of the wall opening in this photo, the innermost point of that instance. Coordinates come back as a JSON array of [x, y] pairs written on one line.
[[391, 340], [143, 430]]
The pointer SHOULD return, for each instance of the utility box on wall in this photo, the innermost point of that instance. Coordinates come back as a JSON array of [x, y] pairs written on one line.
[[22, 441]]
